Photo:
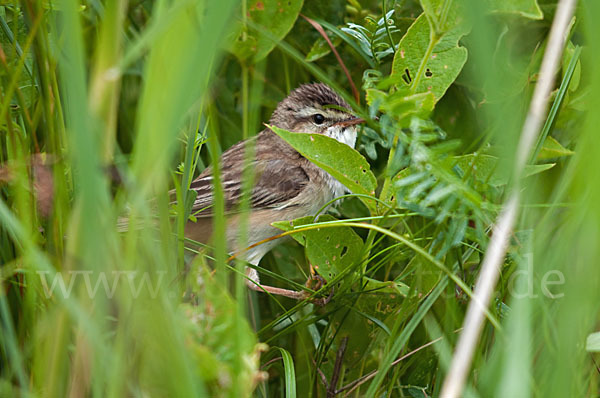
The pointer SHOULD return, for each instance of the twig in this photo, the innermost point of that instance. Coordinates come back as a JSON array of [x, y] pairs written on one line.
[[335, 377], [490, 269], [320, 29], [595, 364], [323, 377], [337, 367], [270, 362]]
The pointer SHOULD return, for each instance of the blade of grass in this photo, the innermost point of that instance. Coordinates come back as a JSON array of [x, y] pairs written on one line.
[[290, 373], [556, 105]]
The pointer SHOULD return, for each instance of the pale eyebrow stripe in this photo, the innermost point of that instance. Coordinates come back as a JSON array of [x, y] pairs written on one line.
[[332, 113], [310, 111]]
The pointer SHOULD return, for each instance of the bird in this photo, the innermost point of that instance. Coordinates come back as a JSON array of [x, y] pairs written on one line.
[[286, 184]]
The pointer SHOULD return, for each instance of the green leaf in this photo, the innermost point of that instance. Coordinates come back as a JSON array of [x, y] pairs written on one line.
[[553, 149], [277, 19], [344, 163], [570, 51], [290, 373], [389, 287], [533, 169], [484, 168], [320, 48], [525, 8], [189, 202], [330, 250], [593, 342], [443, 14], [426, 61], [401, 104]]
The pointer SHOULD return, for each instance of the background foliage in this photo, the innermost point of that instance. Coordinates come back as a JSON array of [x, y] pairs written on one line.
[[104, 106]]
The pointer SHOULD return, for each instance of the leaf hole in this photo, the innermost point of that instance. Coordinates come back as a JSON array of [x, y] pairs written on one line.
[[327, 238], [344, 251], [428, 73], [406, 76]]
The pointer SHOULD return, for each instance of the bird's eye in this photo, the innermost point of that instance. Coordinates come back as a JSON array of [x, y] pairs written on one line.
[[318, 118]]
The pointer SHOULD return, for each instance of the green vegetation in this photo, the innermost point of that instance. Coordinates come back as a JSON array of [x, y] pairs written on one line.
[[107, 105]]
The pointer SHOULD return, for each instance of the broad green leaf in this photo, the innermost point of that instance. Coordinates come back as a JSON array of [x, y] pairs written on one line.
[[344, 163], [426, 61], [525, 8], [401, 104], [484, 168], [553, 149], [443, 14], [321, 48], [593, 342], [329, 249], [275, 16]]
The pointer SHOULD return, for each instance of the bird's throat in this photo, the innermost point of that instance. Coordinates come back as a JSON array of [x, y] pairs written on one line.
[[345, 135]]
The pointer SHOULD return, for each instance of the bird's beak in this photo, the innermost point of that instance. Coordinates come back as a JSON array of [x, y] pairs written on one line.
[[350, 122]]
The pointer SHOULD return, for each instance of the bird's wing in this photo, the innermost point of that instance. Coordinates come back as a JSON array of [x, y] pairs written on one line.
[[276, 181]]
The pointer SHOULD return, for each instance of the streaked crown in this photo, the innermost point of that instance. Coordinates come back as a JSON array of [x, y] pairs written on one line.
[[311, 108]]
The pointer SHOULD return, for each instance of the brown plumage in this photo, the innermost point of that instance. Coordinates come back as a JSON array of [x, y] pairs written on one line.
[[286, 185]]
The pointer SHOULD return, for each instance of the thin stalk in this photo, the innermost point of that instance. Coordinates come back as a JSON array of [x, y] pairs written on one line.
[[490, 270], [387, 28]]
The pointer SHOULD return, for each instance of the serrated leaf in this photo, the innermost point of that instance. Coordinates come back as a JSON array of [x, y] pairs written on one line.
[[427, 62], [526, 8], [330, 249], [553, 149], [344, 163], [272, 15]]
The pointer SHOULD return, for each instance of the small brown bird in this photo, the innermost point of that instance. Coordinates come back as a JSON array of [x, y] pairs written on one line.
[[286, 185]]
